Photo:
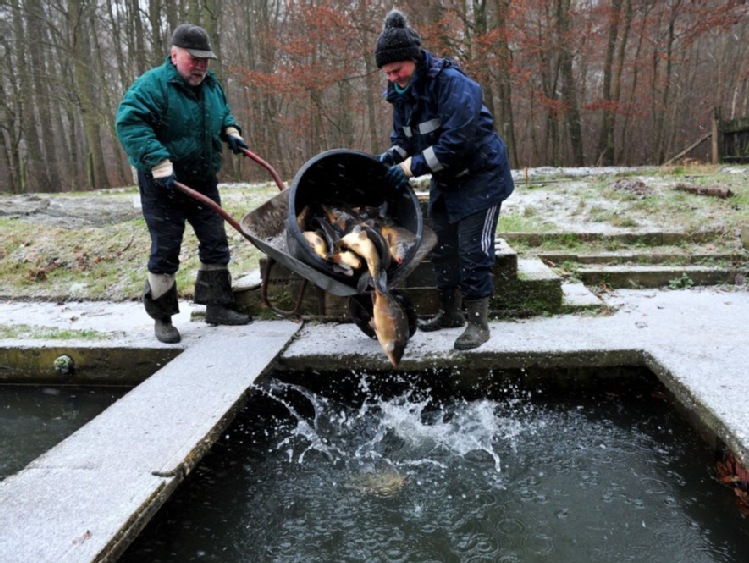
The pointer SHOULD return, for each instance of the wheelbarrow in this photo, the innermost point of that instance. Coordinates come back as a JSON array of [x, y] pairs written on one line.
[[342, 177]]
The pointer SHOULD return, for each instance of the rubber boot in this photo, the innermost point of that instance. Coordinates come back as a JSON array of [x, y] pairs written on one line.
[[477, 331], [166, 332], [449, 315], [220, 315], [163, 307], [213, 289]]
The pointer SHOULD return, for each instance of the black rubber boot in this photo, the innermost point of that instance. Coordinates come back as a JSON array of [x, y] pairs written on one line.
[[477, 331], [220, 315], [449, 315], [166, 332], [213, 289], [161, 311]]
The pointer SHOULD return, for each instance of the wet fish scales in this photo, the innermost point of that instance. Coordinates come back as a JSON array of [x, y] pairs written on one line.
[[390, 324]]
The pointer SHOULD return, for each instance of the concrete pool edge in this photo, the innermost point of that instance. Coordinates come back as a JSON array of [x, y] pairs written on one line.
[[86, 498]]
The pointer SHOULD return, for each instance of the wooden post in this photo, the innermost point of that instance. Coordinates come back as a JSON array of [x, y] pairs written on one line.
[[717, 139]]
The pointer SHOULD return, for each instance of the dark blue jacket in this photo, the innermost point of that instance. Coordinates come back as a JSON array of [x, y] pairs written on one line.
[[442, 123]]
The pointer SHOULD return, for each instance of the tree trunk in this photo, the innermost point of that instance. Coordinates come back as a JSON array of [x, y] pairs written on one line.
[[158, 49], [84, 62], [664, 99], [32, 166], [568, 87], [606, 148], [504, 119], [7, 145]]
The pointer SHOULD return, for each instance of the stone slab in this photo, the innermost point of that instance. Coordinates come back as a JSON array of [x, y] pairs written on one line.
[[577, 296]]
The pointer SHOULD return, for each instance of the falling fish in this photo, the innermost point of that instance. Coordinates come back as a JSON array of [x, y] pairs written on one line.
[[390, 324], [383, 483], [342, 219], [399, 241], [332, 237], [370, 245], [302, 218], [316, 242], [346, 258]]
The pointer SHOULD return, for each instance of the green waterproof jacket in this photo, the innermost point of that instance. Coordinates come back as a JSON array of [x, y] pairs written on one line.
[[161, 117]]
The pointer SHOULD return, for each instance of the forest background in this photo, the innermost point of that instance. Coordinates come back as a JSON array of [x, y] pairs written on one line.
[[570, 82]]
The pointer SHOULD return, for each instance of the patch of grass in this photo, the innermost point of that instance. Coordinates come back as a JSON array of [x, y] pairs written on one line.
[[108, 263], [624, 222], [521, 224], [580, 208], [682, 282], [23, 331]]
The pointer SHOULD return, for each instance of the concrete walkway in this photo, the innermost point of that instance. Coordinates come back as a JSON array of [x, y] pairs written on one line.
[[86, 498], [79, 501]]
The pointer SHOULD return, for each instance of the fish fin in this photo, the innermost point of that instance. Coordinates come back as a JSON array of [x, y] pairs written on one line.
[[381, 282]]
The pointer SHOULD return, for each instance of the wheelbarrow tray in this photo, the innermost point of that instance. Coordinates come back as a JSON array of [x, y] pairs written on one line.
[[266, 228]]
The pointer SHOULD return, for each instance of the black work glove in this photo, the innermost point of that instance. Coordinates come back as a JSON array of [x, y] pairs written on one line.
[[236, 144], [389, 158], [396, 177], [166, 183]]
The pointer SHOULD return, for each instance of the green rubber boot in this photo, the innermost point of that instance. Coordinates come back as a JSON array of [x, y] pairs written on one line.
[[449, 315], [477, 331]]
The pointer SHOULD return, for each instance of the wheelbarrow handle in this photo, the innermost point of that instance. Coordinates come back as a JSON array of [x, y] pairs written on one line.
[[267, 166], [213, 205]]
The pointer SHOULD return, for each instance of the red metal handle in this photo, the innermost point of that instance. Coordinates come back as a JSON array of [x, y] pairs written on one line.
[[213, 205], [267, 166]]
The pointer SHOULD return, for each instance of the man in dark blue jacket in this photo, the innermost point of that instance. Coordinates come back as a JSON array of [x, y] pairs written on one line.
[[441, 127]]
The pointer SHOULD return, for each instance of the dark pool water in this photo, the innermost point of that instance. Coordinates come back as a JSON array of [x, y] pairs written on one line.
[[33, 419], [602, 476]]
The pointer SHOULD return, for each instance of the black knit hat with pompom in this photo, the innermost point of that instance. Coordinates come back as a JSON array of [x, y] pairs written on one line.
[[398, 41]]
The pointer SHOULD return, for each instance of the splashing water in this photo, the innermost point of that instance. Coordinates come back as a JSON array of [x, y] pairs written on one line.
[[395, 431]]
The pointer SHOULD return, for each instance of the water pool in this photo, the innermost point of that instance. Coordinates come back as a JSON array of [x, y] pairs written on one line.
[[33, 419], [415, 474]]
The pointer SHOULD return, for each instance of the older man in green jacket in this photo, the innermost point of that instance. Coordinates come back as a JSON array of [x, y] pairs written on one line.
[[172, 122]]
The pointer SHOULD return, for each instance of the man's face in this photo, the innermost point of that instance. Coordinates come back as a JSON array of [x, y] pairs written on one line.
[[399, 72], [192, 69]]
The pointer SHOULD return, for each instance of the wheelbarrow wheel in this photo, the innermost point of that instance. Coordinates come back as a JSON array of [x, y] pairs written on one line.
[[360, 310]]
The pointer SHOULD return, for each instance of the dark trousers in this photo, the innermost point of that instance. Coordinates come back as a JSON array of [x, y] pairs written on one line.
[[464, 255], [166, 213]]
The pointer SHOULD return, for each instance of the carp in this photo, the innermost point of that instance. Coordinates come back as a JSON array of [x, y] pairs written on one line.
[[391, 326], [370, 245], [342, 219], [317, 243], [399, 241]]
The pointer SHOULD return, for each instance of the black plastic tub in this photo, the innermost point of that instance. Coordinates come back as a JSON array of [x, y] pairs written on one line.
[[352, 178]]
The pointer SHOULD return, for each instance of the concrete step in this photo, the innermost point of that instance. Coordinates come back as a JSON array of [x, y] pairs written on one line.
[[577, 297], [661, 276], [534, 289], [651, 238], [632, 258], [530, 287]]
